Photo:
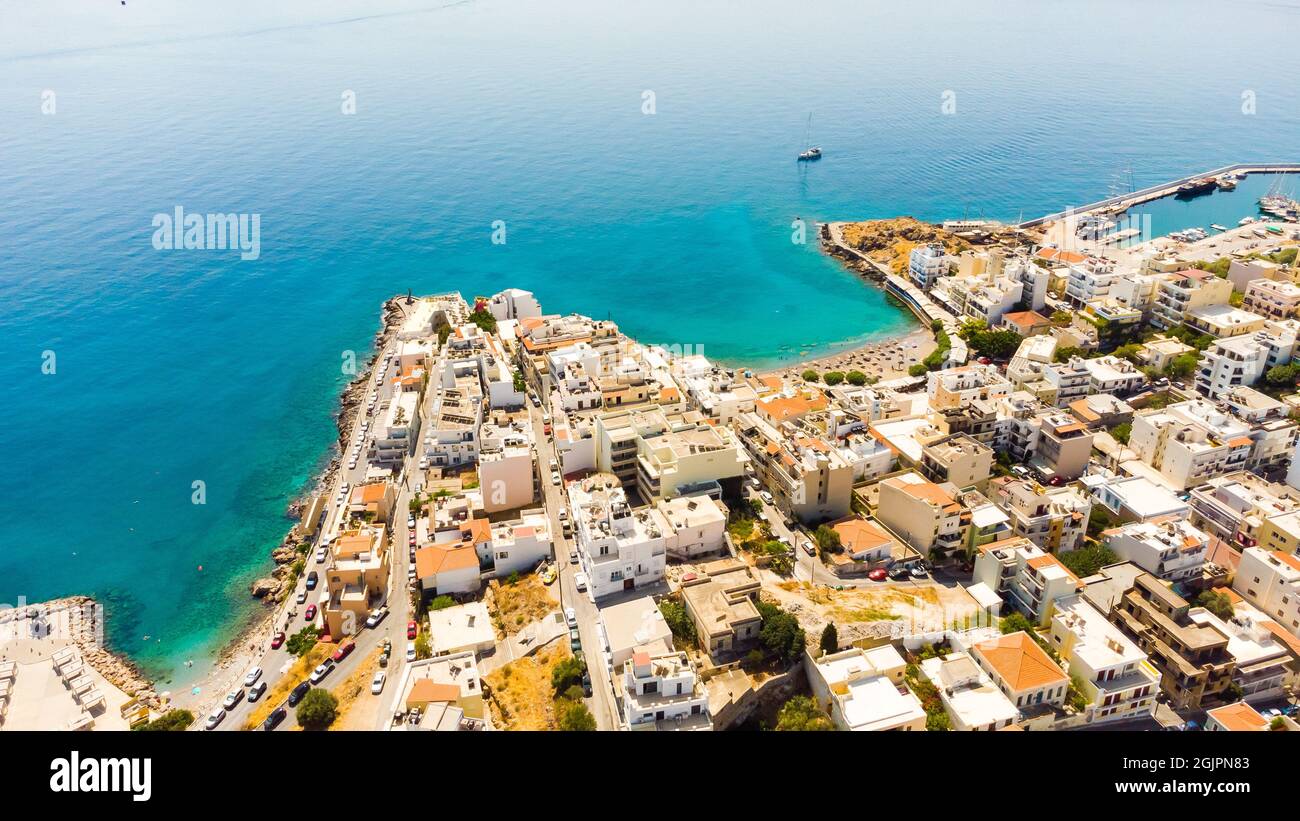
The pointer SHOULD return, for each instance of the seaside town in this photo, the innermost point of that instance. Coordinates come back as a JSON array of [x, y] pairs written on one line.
[[1071, 500]]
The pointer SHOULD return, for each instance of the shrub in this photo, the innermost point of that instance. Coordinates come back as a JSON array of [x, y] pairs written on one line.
[[855, 378], [318, 709], [441, 603], [1217, 603], [1087, 560], [567, 673], [810, 375], [833, 377], [574, 717], [678, 621], [1014, 623], [830, 642], [801, 714], [780, 632], [917, 370], [302, 641], [170, 721], [422, 648]]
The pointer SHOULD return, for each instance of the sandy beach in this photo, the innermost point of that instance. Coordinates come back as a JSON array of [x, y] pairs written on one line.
[[886, 359]]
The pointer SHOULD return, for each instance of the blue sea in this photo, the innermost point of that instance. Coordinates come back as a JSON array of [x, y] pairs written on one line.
[[640, 156]]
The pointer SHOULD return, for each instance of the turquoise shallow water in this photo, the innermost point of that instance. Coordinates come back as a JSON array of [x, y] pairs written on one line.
[[181, 366]]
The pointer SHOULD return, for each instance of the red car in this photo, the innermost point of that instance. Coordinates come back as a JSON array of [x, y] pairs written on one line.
[[878, 575], [344, 649], [311, 612], [411, 629], [277, 640]]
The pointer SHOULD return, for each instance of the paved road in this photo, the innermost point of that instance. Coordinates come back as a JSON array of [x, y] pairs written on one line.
[[292, 616], [601, 703]]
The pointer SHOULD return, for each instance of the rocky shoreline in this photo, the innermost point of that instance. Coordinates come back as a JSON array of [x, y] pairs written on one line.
[[272, 589]]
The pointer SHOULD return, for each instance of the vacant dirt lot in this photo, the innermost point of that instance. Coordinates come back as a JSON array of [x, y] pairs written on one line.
[[513, 606], [876, 610], [520, 695]]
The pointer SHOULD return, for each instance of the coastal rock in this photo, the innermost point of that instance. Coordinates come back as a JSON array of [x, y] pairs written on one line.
[[265, 587], [284, 554]]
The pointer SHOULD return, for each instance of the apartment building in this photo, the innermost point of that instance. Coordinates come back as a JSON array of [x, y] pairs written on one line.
[[356, 579], [867, 456], [1270, 580], [970, 698], [1025, 674], [519, 545], [922, 513], [1193, 659], [1223, 321], [1275, 299], [807, 476], [1118, 681], [1172, 550], [507, 466], [1266, 658], [925, 264], [1235, 506], [1024, 576], [864, 690], [373, 501], [1244, 359], [454, 419], [443, 693], [1161, 351], [397, 431], [1062, 447], [1239, 717], [720, 600], [619, 548], [1133, 498], [1091, 279], [514, 303], [1067, 381], [956, 387], [1053, 518], [1184, 291], [957, 459], [1034, 354], [697, 526], [666, 456], [1190, 443], [661, 691]]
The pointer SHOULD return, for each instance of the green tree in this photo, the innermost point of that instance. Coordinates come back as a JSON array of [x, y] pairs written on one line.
[[422, 648], [830, 642], [318, 709], [1181, 366], [1065, 352], [811, 376], [1014, 623], [1088, 560], [917, 370], [780, 632], [678, 621], [855, 378], [1062, 318], [833, 378], [441, 603], [801, 714], [170, 721], [1217, 603], [1074, 696], [567, 672], [574, 717], [1282, 376], [994, 344], [1121, 432], [484, 320], [828, 539], [302, 641], [1099, 519]]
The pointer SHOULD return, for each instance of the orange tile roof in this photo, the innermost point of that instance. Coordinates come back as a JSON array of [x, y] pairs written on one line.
[[1047, 560], [1020, 662], [1239, 717], [1240, 441], [425, 691], [432, 560], [931, 493], [782, 408], [860, 535], [1026, 319], [1285, 636], [1289, 559], [373, 492], [479, 530], [1068, 257]]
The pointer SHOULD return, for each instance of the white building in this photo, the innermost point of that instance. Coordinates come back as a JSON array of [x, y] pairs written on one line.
[[1270, 580], [1242, 360], [661, 692], [619, 549], [971, 699], [865, 690], [1172, 550], [514, 303], [519, 545], [398, 429], [925, 264], [1118, 681], [507, 466]]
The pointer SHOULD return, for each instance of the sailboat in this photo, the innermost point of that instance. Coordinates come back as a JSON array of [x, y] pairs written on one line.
[[812, 152]]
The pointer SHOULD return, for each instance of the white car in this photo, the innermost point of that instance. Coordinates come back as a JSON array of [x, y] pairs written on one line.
[[377, 683], [234, 698], [252, 677], [570, 617], [376, 617], [580, 581], [410, 651], [423, 465], [410, 523], [302, 597], [322, 553], [555, 478], [766, 497], [563, 515], [318, 675], [214, 720]]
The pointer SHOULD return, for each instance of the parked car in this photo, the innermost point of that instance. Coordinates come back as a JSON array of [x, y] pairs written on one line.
[[322, 553], [573, 556], [586, 684], [878, 575], [809, 548], [322, 670], [214, 720], [410, 522], [233, 698], [571, 617], [580, 581], [765, 496], [575, 641], [252, 677], [897, 573], [548, 574], [410, 651], [377, 683], [412, 629], [302, 596], [273, 720], [257, 691], [376, 617], [555, 478], [344, 650], [916, 571], [311, 612], [277, 640], [312, 579]]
